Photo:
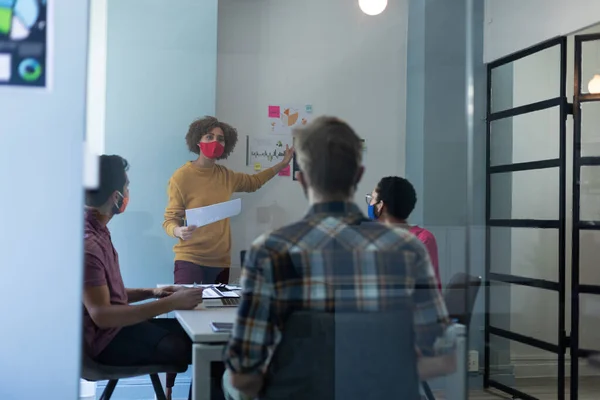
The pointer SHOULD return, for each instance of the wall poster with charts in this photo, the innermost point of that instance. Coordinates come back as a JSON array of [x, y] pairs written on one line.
[[24, 26], [266, 151], [283, 119]]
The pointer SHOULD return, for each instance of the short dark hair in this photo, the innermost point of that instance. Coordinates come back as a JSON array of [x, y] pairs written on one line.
[[329, 153], [398, 195], [112, 178], [203, 126]]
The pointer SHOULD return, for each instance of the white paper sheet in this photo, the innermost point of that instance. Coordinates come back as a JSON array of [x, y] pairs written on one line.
[[207, 215], [209, 291]]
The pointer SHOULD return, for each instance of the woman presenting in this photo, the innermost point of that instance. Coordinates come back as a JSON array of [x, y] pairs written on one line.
[[202, 254]]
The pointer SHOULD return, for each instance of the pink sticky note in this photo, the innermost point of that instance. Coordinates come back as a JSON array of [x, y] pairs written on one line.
[[274, 111], [285, 171]]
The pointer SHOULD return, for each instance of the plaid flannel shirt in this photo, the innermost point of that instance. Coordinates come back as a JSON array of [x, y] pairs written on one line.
[[331, 261]]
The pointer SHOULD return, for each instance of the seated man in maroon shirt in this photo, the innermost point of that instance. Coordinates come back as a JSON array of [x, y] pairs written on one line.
[[117, 332]]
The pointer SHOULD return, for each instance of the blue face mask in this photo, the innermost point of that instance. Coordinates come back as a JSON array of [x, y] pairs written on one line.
[[371, 210]]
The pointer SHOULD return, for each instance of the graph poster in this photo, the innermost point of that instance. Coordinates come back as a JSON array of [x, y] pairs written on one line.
[[266, 151], [283, 119], [24, 35]]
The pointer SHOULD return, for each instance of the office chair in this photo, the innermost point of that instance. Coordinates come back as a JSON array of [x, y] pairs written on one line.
[[454, 296], [93, 371], [344, 355], [459, 311]]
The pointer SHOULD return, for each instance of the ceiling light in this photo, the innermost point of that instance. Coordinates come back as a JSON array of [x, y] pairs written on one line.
[[594, 85], [372, 7]]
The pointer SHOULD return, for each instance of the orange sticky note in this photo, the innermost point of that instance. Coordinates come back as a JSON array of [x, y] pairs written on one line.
[[285, 171]]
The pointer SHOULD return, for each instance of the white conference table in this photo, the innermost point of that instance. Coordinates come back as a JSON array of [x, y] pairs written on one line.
[[207, 346]]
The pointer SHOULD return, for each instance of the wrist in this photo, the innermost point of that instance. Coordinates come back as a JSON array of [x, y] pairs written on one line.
[[154, 293], [279, 166], [168, 303]]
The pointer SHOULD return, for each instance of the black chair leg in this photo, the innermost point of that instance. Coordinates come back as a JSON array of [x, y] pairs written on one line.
[[428, 393], [109, 389], [158, 389]]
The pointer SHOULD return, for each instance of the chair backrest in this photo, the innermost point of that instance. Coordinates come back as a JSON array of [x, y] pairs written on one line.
[[353, 355], [460, 295]]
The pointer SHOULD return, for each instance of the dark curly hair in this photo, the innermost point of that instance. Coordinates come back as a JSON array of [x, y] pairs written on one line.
[[398, 195], [203, 126]]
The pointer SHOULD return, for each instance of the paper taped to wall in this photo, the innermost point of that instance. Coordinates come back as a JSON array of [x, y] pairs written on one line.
[[207, 215], [267, 151], [283, 119]]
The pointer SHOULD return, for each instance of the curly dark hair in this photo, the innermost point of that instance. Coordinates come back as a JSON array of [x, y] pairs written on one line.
[[398, 195], [203, 126]]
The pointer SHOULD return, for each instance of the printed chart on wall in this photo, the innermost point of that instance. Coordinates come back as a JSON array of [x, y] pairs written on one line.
[[283, 119], [266, 151], [24, 50]]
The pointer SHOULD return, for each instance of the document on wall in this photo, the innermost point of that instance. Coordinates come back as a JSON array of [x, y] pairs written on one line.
[[207, 215], [283, 119], [266, 151]]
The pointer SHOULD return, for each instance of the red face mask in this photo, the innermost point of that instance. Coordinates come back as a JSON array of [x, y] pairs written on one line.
[[120, 206], [212, 149]]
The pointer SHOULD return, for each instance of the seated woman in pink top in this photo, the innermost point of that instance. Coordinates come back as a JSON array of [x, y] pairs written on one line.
[[391, 202]]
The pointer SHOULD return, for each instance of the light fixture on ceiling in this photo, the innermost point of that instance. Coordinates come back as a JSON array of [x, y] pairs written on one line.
[[594, 85], [372, 7]]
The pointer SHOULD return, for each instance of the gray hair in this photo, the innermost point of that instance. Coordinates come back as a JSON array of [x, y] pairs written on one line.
[[329, 154]]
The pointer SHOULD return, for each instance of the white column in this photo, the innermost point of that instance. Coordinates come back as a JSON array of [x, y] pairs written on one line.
[[41, 240]]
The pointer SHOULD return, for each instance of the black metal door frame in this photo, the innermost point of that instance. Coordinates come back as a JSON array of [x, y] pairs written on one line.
[[559, 224], [578, 224]]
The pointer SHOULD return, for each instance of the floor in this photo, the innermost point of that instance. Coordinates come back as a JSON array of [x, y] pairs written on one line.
[[543, 389]]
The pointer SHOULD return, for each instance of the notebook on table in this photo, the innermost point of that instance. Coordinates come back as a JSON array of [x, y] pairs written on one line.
[[220, 296]]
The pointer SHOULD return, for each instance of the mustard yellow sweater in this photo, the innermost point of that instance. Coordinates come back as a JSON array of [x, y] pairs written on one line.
[[192, 187]]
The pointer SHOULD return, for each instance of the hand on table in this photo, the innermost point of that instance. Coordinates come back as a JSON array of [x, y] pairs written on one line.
[[184, 232], [186, 299], [166, 291]]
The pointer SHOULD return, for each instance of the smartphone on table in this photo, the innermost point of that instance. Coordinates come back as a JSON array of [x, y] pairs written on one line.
[[221, 326]]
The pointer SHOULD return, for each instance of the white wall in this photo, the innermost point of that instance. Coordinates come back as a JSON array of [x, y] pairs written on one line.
[[96, 81], [328, 54], [513, 25], [161, 75], [41, 136]]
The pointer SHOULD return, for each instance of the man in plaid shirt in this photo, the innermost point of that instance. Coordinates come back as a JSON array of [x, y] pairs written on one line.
[[304, 265]]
